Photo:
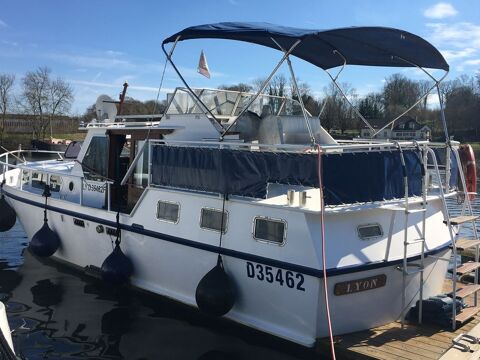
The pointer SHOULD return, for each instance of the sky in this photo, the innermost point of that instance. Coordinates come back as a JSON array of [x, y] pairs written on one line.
[[98, 45]]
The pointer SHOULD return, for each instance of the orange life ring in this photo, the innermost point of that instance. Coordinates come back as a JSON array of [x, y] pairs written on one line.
[[467, 158]]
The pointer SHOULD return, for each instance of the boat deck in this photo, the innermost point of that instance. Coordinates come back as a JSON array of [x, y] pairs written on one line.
[[390, 341]]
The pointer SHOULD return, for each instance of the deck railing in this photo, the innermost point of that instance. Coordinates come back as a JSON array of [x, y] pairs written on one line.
[[343, 147], [22, 164]]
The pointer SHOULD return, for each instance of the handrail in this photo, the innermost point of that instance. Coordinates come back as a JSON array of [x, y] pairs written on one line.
[[447, 220], [379, 146], [24, 166]]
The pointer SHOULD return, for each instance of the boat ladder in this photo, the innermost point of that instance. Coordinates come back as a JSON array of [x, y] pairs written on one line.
[[413, 267]]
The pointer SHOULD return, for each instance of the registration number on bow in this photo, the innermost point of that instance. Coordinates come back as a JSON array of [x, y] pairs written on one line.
[[287, 278]]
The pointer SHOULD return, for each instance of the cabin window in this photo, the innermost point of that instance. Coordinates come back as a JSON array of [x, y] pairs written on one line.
[[270, 230], [25, 177], [140, 176], [55, 183], [94, 163], [370, 231], [39, 180], [211, 219], [168, 211]]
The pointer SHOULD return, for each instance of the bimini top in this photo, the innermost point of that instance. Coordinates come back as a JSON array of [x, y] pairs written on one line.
[[373, 46]]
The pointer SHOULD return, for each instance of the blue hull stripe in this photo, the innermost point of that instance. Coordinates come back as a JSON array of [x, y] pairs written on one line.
[[229, 252]]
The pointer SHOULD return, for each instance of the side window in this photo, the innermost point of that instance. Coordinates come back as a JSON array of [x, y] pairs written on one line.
[[211, 219], [140, 176], [271, 230], [39, 180], [168, 211], [25, 177], [55, 183], [94, 163]]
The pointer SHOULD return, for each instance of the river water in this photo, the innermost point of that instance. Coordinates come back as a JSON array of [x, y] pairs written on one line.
[[58, 313]]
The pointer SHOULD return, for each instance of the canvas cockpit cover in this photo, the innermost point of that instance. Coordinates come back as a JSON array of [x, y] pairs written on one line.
[[348, 178], [370, 46]]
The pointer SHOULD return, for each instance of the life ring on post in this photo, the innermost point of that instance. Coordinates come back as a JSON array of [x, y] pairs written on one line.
[[467, 159]]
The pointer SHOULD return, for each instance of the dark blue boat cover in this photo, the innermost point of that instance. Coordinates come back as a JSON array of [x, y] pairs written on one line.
[[348, 178], [374, 46]]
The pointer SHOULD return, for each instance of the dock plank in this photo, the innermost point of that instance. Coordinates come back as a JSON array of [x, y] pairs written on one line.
[[391, 342]]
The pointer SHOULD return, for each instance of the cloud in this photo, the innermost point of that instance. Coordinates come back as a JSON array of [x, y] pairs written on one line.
[[99, 62], [452, 55], [440, 11], [10, 43], [3, 24], [460, 35], [114, 53], [473, 62], [119, 86]]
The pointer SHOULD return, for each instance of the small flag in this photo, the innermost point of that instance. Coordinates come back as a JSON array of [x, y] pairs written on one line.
[[203, 66]]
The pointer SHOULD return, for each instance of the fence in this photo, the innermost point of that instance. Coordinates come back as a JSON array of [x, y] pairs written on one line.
[[18, 123]]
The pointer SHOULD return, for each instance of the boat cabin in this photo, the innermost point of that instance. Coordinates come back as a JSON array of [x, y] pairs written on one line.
[[110, 148]]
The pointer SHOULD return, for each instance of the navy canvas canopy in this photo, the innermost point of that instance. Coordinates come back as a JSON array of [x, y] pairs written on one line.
[[374, 46]]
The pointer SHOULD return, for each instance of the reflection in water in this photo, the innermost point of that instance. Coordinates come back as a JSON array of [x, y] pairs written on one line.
[[55, 313]]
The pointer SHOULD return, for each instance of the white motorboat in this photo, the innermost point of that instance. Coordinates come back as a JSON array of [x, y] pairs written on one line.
[[243, 205]]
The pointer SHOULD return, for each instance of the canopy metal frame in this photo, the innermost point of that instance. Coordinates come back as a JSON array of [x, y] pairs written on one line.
[[224, 131], [213, 120], [286, 57], [436, 84]]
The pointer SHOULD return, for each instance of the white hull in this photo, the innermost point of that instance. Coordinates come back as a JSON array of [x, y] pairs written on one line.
[[173, 269]]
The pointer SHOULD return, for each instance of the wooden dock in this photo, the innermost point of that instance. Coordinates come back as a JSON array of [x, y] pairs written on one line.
[[391, 342]]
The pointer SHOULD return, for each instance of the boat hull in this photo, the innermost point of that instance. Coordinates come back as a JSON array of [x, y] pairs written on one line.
[[278, 297]]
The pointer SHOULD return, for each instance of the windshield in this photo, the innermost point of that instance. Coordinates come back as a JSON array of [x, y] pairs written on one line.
[[226, 103]]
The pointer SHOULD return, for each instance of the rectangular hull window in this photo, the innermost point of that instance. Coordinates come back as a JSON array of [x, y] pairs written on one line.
[[168, 211], [270, 230], [211, 219], [370, 231]]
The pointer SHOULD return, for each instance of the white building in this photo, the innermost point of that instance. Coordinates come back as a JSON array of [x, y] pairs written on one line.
[[405, 128]]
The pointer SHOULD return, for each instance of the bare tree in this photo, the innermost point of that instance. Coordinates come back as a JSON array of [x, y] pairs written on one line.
[[423, 87], [399, 93], [6, 85], [45, 98], [371, 106], [337, 113]]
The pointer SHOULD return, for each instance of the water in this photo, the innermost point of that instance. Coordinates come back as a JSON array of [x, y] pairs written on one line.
[[58, 313]]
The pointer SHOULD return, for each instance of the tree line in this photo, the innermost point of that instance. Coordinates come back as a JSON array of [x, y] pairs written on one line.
[[45, 97], [460, 97]]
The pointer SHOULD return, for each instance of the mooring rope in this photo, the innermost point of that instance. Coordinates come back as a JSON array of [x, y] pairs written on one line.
[[324, 257]]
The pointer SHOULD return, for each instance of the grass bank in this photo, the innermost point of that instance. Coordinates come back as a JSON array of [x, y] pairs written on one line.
[[13, 141]]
